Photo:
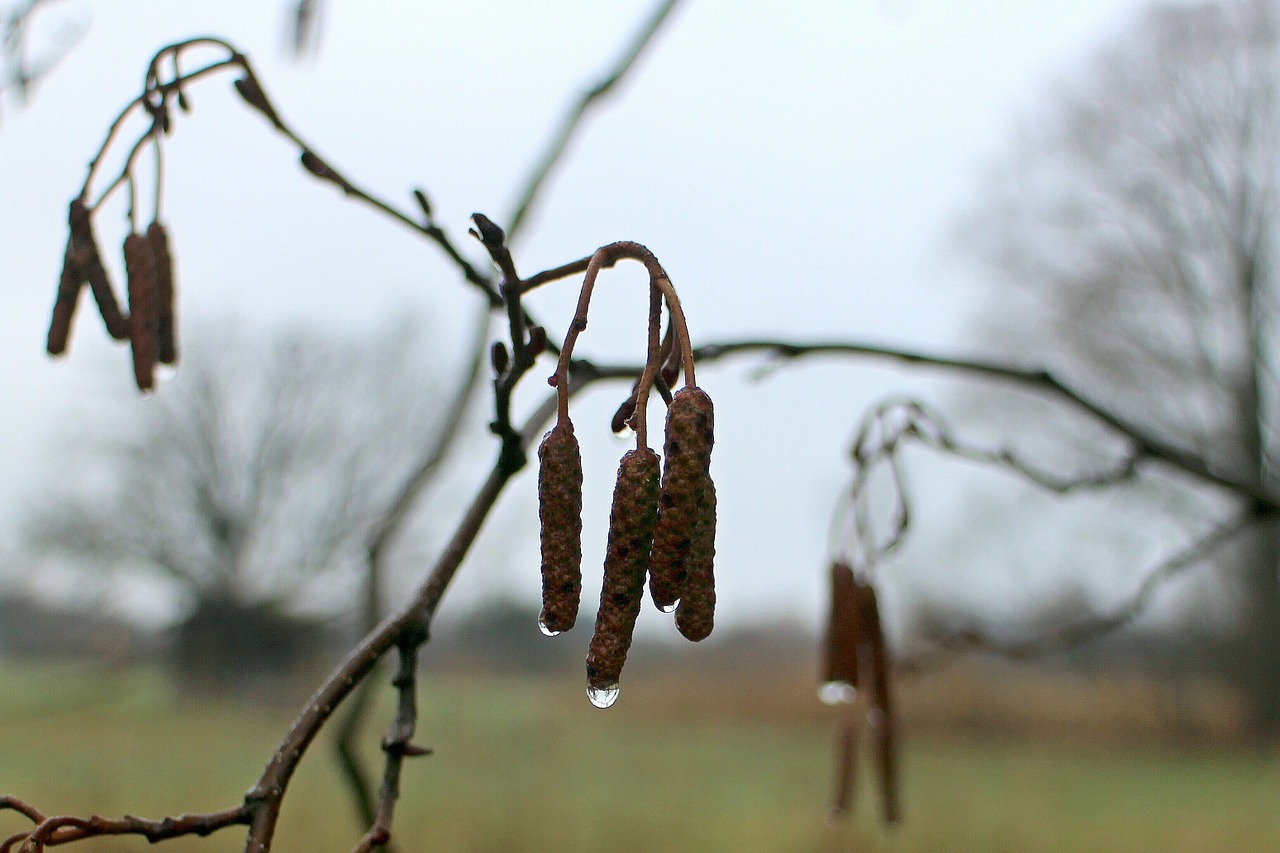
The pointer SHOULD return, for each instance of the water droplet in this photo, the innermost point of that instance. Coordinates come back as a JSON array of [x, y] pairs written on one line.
[[837, 693], [546, 630], [668, 608], [165, 372], [603, 697], [146, 393], [625, 434]]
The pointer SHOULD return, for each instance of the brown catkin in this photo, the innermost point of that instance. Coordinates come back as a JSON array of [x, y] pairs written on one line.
[[840, 655], [885, 725], [64, 307], [695, 617], [144, 308], [89, 261], [683, 501], [560, 511], [626, 561], [166, 331], [845, 787]]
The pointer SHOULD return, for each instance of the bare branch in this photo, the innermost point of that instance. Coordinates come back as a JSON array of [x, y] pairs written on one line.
[[569, 125], [54, 831], [1065, 637], [1145, 444]]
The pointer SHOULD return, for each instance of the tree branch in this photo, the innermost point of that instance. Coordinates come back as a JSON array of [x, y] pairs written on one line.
[[409, 627], [573, 119], [53, 831], [1146, 445], [1075, 634]]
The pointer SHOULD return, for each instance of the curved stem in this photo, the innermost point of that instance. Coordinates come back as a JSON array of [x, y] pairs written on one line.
[[138, 101], [658, 279], [641, 417]]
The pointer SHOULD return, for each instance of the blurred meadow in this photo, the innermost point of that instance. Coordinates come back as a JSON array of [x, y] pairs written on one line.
[[735, 758]]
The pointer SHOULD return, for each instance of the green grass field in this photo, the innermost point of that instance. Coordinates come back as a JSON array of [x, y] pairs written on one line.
[[528, 766]]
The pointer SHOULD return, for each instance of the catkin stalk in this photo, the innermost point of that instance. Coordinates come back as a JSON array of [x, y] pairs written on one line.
[[631, 523], [560, 511]]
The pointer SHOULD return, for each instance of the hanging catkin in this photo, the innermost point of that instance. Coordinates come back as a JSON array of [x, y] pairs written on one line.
[[166, 331], [695, 616], [144, 309], [64, 307], [631, 522], [840, 654], [89, 261], [683, 540], [845, 788], [885, 727], [560, 511]]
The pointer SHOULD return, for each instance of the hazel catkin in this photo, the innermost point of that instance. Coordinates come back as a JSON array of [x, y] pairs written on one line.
[[84, 247], [162, 258], [695, 616], [144, 309], [884, 720], [70, 284], [842, 794], [560, 511], [840, 654], [631, 522], [686, 500]]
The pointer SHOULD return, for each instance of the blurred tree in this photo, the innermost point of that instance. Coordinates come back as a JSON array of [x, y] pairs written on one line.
[[252, 481], [1136, 221]]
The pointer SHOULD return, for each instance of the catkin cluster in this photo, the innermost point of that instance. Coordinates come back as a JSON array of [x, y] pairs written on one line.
[[856, 667], [662, 522], [149, 325]]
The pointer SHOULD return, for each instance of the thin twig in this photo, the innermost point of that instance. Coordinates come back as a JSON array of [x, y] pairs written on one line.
[[1075, 634], [569, 125], [53, 831], [410, 624], [381, 536], [1144, 443]]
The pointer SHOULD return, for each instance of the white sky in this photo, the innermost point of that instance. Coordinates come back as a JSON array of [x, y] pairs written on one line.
[[795, 166]]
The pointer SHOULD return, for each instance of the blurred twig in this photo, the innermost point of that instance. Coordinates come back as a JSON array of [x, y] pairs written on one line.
[[1145, 445], [381, 535], [570, 123], [1066, 637], [304, 32], [20, 72]]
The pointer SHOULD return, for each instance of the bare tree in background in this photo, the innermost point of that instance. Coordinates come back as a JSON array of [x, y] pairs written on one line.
[[1137, 219], [252, 481]]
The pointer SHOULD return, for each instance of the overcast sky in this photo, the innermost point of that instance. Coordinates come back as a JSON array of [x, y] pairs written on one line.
[[795, 166]]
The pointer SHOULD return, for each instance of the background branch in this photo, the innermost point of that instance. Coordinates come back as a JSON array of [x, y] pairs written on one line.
[[1075, 634], [1040, 380], [573, 119]]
